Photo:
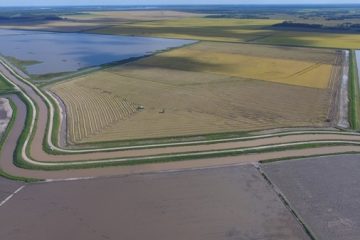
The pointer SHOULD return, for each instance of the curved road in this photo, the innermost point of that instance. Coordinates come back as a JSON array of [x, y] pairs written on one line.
[[39, 157]]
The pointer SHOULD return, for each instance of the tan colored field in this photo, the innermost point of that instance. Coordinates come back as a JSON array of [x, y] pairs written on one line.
[[184, 94], [115, 16]]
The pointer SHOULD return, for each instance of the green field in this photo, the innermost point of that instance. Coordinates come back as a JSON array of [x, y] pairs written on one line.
[[5, 86]]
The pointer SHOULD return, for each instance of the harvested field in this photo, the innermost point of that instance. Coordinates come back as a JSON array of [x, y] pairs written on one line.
[[223, 203], [184, 94], [324, 191]]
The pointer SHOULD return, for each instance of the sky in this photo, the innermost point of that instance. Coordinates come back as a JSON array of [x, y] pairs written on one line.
[[159, 2]]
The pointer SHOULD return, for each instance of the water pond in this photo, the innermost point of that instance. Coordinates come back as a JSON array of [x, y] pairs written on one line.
[[47, 52]]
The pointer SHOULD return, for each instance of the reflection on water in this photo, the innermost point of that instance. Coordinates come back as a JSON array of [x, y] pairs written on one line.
[[68, 52]]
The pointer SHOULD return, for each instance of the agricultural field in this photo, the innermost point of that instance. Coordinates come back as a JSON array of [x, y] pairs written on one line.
[[324, 191], [201, 26], [234, 30], [126, 16], [230, 88], [212, 204], [312, 39], [227, 30]]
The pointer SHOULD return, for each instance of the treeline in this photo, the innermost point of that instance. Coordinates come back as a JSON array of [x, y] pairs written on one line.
[[28, 18], [238, 16], [340, 27]]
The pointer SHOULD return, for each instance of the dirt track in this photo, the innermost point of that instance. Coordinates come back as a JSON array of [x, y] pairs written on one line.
[[38, 154]]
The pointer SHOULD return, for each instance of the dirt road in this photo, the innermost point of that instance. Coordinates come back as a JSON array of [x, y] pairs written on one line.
[[37, 154]]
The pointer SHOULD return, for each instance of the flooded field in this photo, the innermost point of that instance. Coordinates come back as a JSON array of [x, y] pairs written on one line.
[[223, 203], [324, 191], [47, 52]]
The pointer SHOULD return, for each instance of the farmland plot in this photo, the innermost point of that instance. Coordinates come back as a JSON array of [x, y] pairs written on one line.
[[324, 191], [211, 204], [205, 88]]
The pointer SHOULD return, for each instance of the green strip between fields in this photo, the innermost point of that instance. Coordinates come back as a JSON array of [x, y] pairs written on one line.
[[354, 113]]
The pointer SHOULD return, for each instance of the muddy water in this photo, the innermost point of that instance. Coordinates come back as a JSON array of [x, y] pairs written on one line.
[[213, 204], [68, 52]]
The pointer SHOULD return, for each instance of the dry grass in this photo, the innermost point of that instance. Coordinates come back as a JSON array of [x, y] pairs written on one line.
[[184, 94]]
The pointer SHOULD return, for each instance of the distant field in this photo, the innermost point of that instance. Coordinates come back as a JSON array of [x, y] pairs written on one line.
[[313, 39], [228, 30], [233, 87], [176, 24], [115, 16], [234, 30]]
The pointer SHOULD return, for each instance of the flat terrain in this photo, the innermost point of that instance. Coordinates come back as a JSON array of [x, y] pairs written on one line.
[[203, 88], [126, 16], [185, 25], [223, 203], [222, 29], [324, 191], [233, 30], [7, 187]]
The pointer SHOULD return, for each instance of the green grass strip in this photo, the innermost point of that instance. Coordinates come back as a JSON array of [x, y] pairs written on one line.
[[354, 93]]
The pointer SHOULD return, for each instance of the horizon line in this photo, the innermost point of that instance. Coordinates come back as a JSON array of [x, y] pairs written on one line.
[[179, 4]]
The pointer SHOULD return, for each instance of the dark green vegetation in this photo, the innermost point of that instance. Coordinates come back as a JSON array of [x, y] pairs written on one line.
[[354, 113], [5, 86]]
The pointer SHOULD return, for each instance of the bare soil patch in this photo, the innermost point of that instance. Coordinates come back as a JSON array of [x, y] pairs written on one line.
[[324, 191], [222, 203]]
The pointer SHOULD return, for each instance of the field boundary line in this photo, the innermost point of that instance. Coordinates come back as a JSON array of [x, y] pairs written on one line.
[[11, 195]]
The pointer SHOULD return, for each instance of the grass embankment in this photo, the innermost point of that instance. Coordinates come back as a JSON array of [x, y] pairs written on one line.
[[21, 64], [5, 86], [354, 93], [2, 141]]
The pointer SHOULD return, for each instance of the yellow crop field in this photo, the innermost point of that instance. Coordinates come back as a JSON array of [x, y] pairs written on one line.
[[201, 89], [313, 39], [302, 73]]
